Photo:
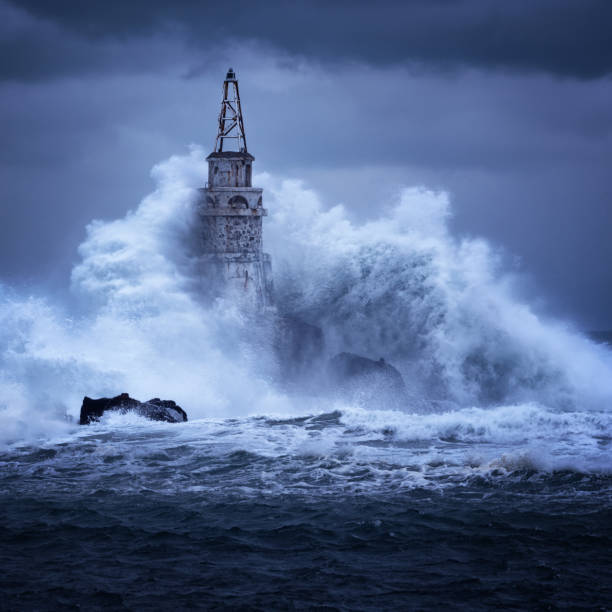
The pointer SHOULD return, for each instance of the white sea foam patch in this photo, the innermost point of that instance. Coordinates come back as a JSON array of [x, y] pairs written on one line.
[[508, 437], [192, 355], [522, 423]]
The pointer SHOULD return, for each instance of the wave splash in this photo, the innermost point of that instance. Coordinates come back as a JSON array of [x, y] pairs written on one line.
[[439, 308], [400, 286]]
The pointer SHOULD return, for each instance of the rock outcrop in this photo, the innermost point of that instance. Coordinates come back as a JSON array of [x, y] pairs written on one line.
[[366, 380], [155, 409]]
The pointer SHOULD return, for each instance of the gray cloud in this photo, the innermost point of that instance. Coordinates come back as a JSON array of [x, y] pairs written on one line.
[[525, 154], [561, 37]]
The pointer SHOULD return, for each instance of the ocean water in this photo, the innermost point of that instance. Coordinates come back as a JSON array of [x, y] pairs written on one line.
[[487, 486], [343, 510]]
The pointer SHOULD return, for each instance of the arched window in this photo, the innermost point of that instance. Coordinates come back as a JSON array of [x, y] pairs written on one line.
[[238, 202]]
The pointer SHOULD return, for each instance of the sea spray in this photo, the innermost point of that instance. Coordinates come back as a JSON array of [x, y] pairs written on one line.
[[399, 286], [439, 308], [491, 485]]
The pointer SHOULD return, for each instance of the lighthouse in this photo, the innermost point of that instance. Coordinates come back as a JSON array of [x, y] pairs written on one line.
[[231, 212]]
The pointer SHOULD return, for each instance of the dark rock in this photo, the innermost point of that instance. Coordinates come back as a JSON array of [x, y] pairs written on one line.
[[155, 409], [366, 379]]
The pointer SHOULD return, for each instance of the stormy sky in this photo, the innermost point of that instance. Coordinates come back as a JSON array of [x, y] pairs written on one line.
[[506, 105]]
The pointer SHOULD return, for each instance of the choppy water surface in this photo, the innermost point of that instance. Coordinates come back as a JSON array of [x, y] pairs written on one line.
[[487, 487], [348, 509]]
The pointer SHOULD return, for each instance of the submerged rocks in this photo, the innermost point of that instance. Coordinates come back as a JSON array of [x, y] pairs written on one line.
[[155, 409], [366, 380]]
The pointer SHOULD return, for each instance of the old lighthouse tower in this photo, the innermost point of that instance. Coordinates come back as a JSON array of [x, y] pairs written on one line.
[[230, 209]]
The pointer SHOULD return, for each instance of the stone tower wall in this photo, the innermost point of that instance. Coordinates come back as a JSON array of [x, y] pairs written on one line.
[[229, 172], [231, 212], [235, 234]]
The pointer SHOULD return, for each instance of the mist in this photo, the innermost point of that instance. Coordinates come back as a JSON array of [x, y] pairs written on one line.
[[443, 310]]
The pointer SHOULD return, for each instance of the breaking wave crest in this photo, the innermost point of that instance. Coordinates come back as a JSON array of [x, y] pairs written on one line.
[[479, 365], [439, 308]]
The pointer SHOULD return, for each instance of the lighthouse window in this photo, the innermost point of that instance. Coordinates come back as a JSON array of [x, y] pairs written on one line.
[[238, 202]]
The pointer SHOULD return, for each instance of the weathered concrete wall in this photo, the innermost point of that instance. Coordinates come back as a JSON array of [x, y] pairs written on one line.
[[231, 211], [242, 279], [235, 234], [229, 169], [231, 197]]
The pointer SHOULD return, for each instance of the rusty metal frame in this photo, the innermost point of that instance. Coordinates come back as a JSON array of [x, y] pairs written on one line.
[[231, 124]]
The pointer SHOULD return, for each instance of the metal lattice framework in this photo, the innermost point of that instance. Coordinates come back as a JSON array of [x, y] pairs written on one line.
[[231, 125]]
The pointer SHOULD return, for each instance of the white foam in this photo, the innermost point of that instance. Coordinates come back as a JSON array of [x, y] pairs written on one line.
[[399, 286]]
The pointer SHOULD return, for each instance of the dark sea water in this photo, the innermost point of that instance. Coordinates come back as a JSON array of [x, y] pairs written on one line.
[[343, 510], [487, 484]]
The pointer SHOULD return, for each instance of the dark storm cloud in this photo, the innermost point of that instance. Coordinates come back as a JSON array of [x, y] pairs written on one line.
[[562, 37], [34, 49], [356, 98]]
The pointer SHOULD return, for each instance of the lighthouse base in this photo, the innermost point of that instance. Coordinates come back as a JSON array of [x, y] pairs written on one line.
[[244, 278]]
